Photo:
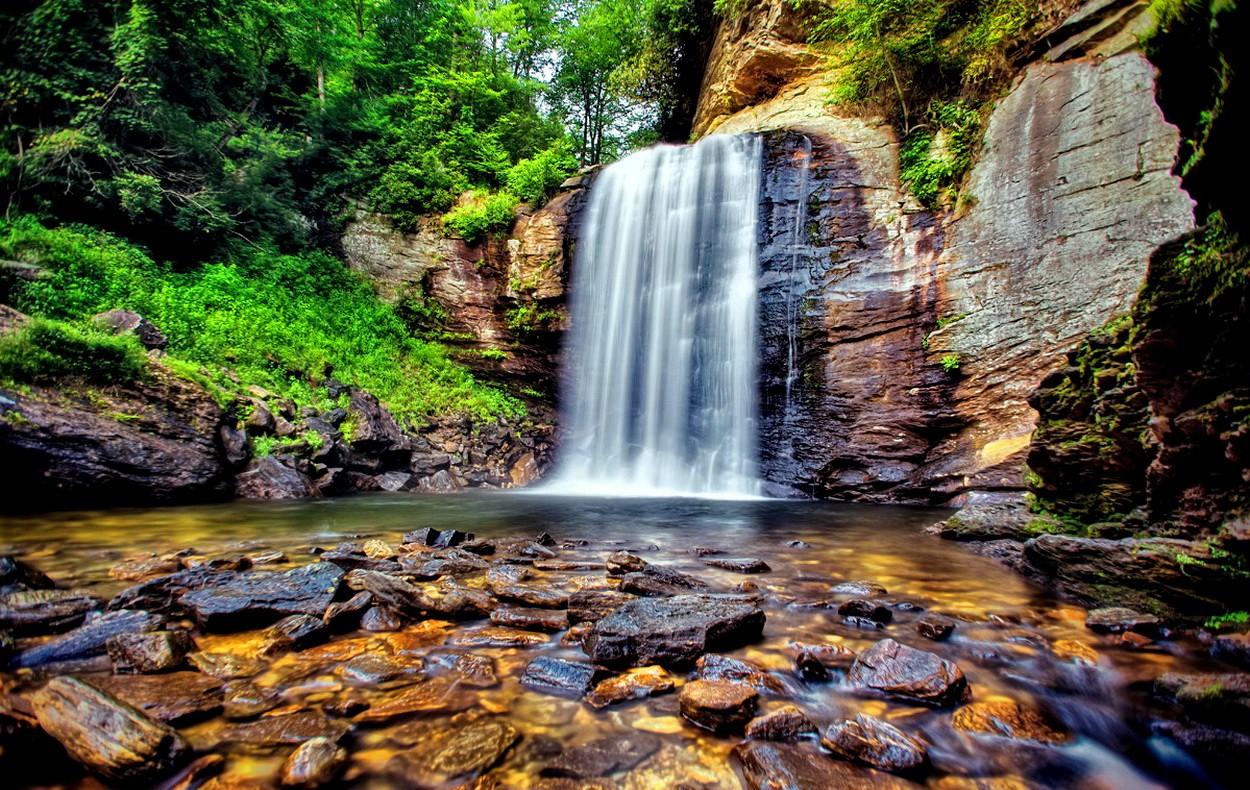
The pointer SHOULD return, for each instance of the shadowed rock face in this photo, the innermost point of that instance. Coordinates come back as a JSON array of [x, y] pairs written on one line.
[[1072, 193]]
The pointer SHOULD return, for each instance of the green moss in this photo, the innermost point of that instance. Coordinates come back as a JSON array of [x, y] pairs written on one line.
[[481, 214], [1228, 620], [530, 318], [45, 351]]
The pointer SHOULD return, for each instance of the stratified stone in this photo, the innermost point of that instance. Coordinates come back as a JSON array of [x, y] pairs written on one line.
[[588, 606], [243, 699], [468, 750], [343, 615], [1118, 619], [604, 756], [739, 564], [672, 631], [935, 627], [533, 596], [814, 661], [89, 639], [373, 668], [910, 674], [768, 765], [314, 762], [150, 652], [718, 705], [876, 743], [173, 697], [634, 684], [870, 610], [498, 636], [1006, 718], [469, 669], [41, 611], [532, 619], [226, 666], [294, 633], [270, 732], [561, 678], [248, 599], [715, 666], [381, 619], [787, 723], [655, 580], [107, 736], [436, 695]]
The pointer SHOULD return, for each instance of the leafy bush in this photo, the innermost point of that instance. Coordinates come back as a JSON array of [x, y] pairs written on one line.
[[535, 180], [949, 362], [931, 166], [480, 214], [283, 322], [46, 350]]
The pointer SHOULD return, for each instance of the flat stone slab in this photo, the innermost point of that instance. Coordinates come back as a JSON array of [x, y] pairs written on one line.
[[785, 766], [173, 697], [672, 631], [248, 599]]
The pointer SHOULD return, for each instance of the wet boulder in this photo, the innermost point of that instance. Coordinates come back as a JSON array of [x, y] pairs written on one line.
[[935, 627], [603, 756], [718, 705], [375, 429], [910, 674], [588, 606], [18, 575], [1233, 648], [672, 631], [622, 562], [314, 762], [144, 653], [89, 639], [242, 600], [739, 564], [787, 723], [164, 593], [226, 666], [437, 538], [869, 610], [269, 478], [105, 735], [42, 611], [768, 765], [656, 580], [715, 666], [869, 740], [634, 684], [1119, 619], [343, 615], [530, 619], [381, 619], [1008, 719], [448, 754], [561, 678]]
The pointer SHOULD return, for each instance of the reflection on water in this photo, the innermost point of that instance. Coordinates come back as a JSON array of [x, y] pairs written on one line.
[[1005, 642]]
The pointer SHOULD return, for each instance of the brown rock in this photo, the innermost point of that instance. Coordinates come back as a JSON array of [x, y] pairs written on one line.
[[935, 627], [107, 736], [739, 564], [436, 695], [244, 599], [243, 699], [603, 756], [1118, 619], [714, 666], [561, 678], [1006, 718], [871, 610], [768, 765], [637, 683], [533, 596], [672, 631], [588, 606], [814, 661], [622, 562], [342, 615], [910, 674], [270, 732], [1221, 699], [787, 723], [381, 619], [469, 669], [876, 743], [718, 705], [532, 619], [152, 652], [373, 668], [1233, 648], [496, 636], [468, 750], [173, 697], [314, 762], [226, 666]]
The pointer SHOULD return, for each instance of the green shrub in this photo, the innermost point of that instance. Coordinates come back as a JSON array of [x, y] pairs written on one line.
[[949, 362], [480, 214], [46, 350], [535, 180]]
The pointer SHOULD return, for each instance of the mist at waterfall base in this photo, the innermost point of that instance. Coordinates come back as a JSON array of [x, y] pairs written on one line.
[[660, 394]]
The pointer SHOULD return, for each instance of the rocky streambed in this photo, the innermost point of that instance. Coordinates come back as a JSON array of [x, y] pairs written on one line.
[[513, 640]]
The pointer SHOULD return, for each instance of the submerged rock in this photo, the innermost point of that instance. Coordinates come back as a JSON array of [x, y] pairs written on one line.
[[314, 762], [436, 695], [468, 750], [910, 674], [739, 564], [107, 736], [270, 732], [787, 723], [784, 766], [634, 684], [603, 756], [718, 705], [672, 631], [561, 678], [876, 743], [173, 697], [1006, 718]]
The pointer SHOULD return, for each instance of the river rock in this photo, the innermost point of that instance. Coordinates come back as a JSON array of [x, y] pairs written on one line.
[[252, 598], [150, 652], [242, 699], [672, 631], [860, 589], [139, 568], [718, 705], [787, 723], [438, 695], [874, 742], [622, 562], [910, 674], [269, 478], [470, 669], [41, 611], [603, 756], [715, 666], [468, 750], [935, 627], [373, 668], [655, 580], [164, 593], [498, 636], [548, 598], [226, 666], [17, 575], [588, 606], [343, 615], [1006, 718], [814, 661], [634, 684], [1213, 698], [532, 619], [768, 765], [295, 632], [446, 562], [869, 610], [739, 564], [1233, 648], [1118, 619], [561, 678], [428, 536], [270, 732], [109, 737], [381, 619], [89, 639], [352, 560], [172, 697], [314, 762]]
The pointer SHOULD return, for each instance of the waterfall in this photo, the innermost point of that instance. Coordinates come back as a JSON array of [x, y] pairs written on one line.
[[660, 398]]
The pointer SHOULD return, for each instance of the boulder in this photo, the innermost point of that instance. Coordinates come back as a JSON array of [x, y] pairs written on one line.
[[271, 732], [148, 652], [469, 669], [787, 723], [561, 678], [41, 611], [89, 639], [375, 428], [869, 610], [672, 631], [546, 597], [909, 674], [247, 599], [603, 756], [655, 580], [739, 564], [622, 562], [872, 741], [1119, 619], [343, 615], [1233, 648], [242, 699], [1008, 719], [107, 736], [718, 705], [269, 478], [127, 322], [767, 765], [314, 762]]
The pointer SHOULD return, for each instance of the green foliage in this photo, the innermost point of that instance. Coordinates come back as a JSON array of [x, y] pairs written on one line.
[[46, 350], [1213, 261], [931, 165], [534, 180], [283, 322], [949, 362], [530, 318], [480, 214], [1229, 620]]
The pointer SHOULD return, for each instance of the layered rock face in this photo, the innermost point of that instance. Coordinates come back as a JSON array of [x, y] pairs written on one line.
[[900, 347]]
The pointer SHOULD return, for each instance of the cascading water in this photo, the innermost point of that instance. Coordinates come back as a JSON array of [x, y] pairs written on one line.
[[661, 396]]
